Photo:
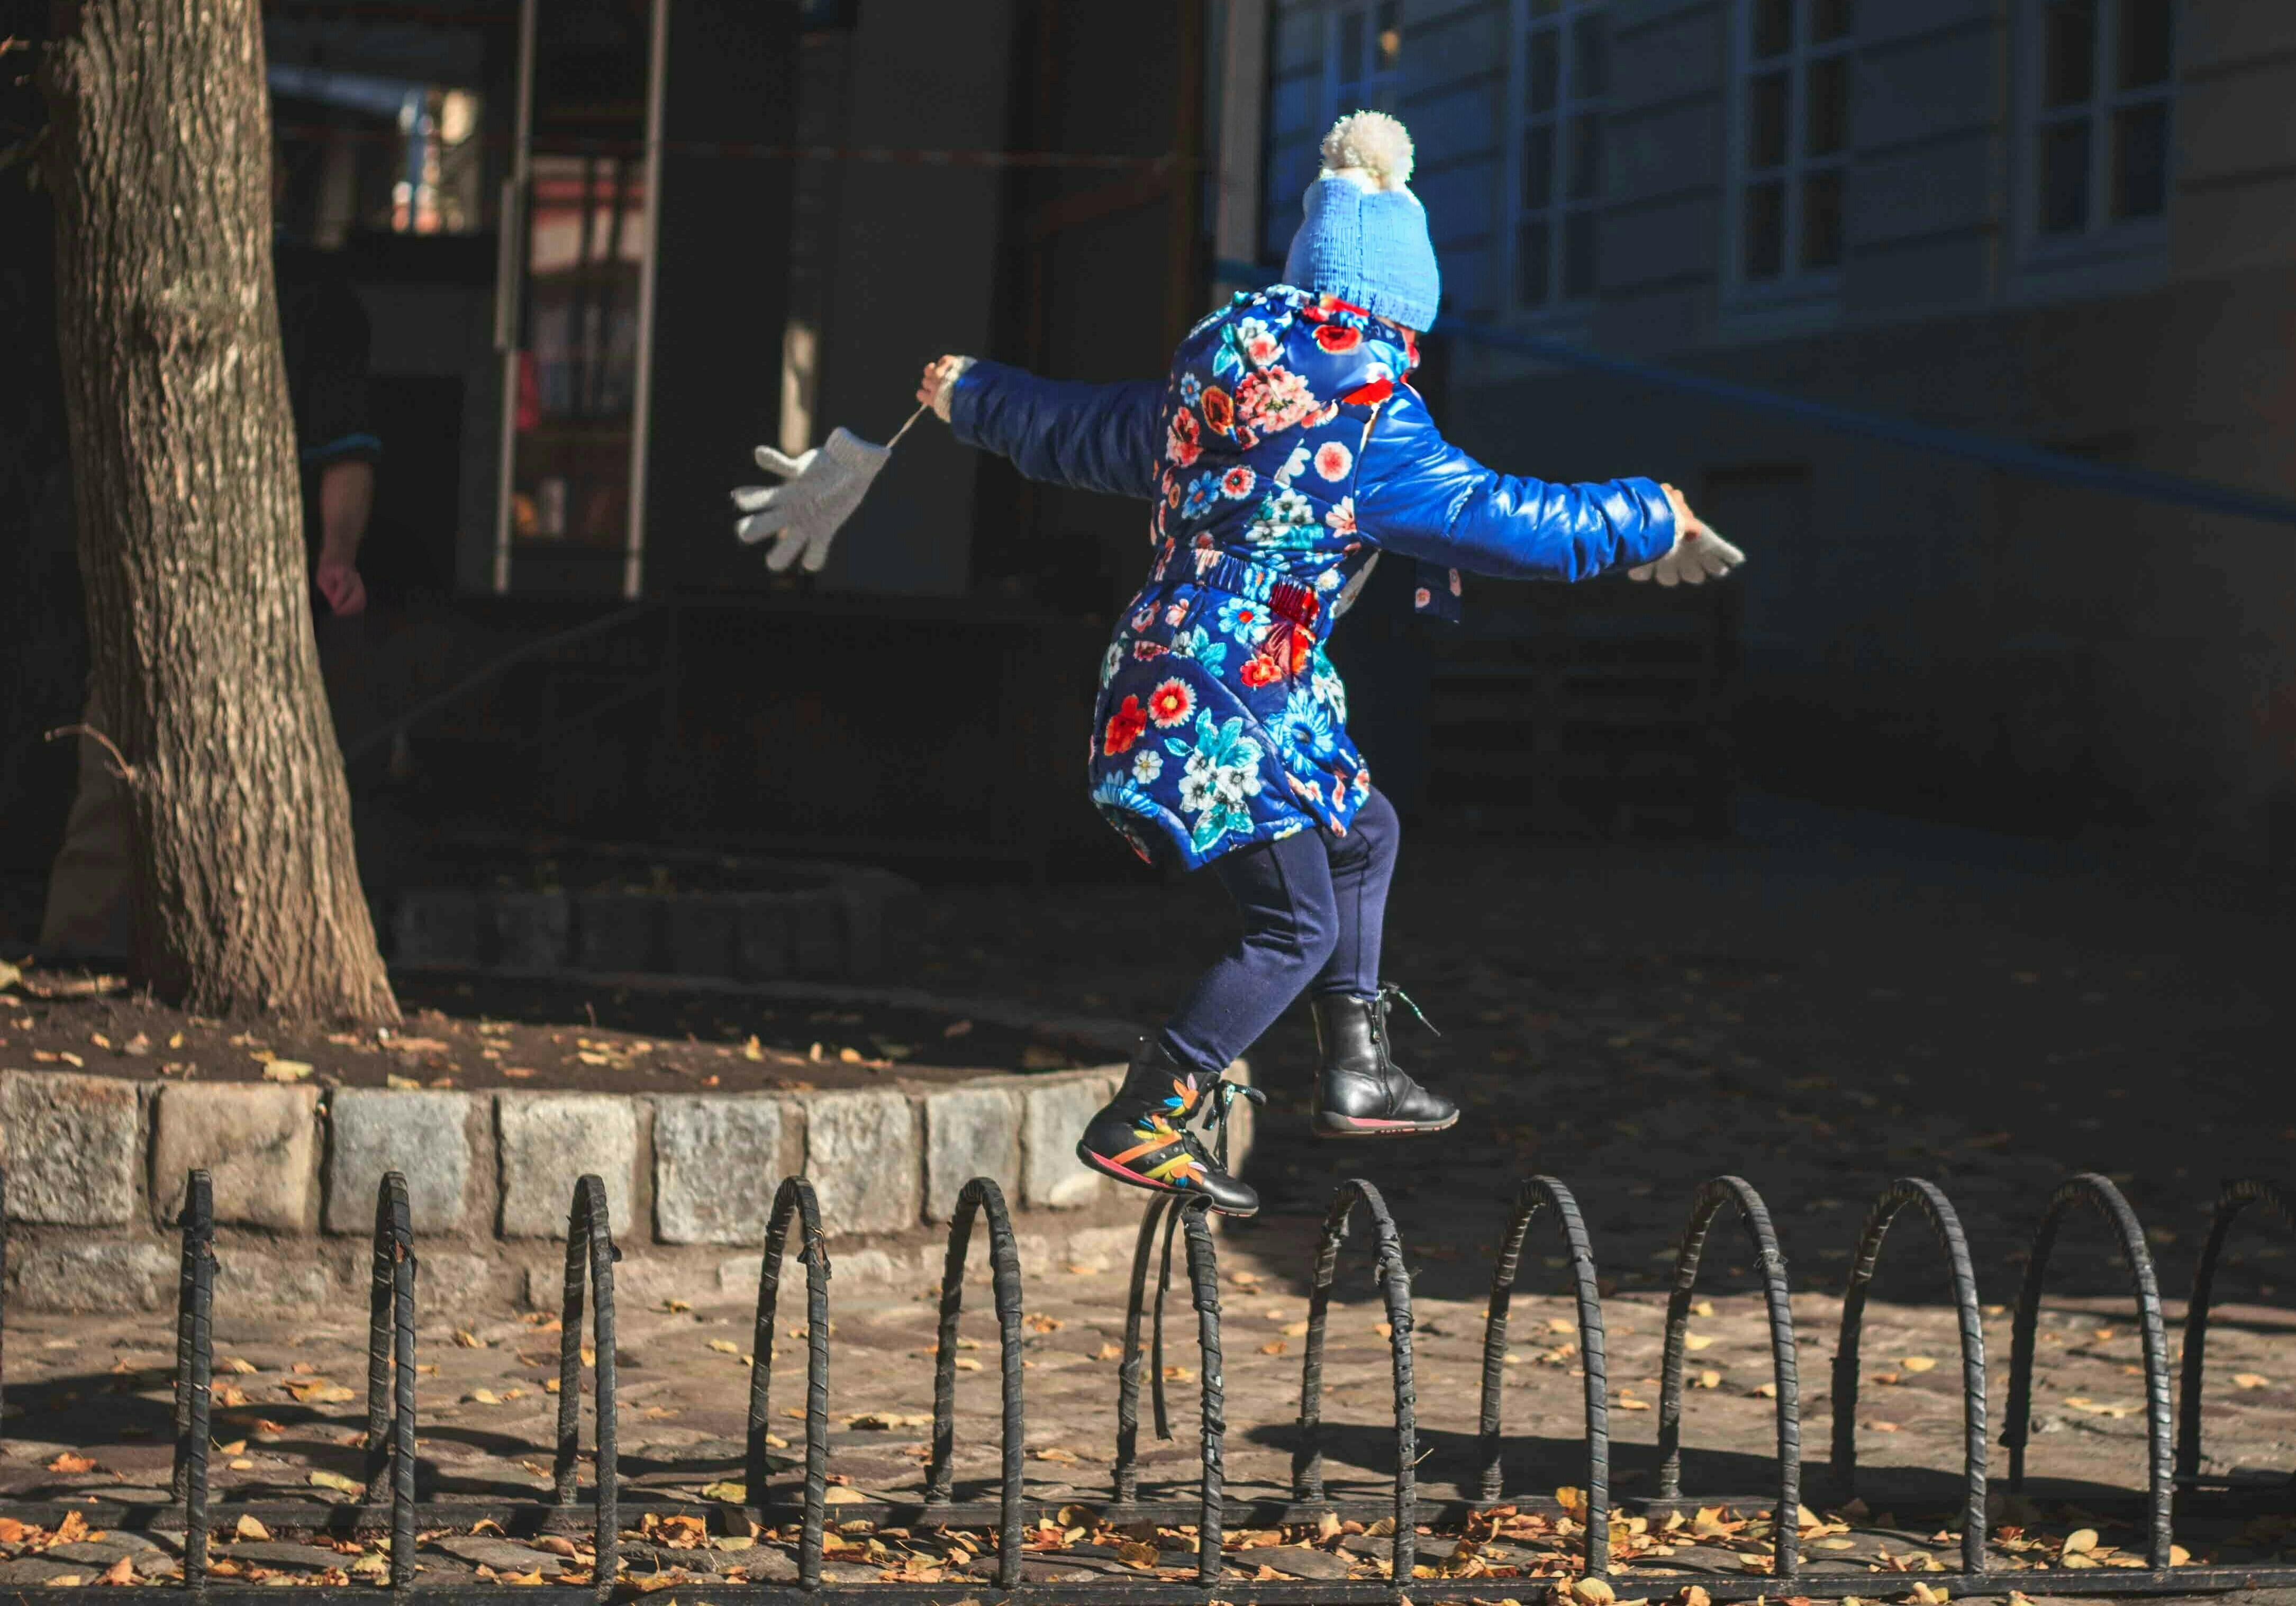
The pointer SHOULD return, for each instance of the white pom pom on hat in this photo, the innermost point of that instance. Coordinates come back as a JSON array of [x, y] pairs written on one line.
[[1369, 148]]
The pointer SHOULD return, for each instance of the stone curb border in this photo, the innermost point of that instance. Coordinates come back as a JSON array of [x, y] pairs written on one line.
[[95, 1168]]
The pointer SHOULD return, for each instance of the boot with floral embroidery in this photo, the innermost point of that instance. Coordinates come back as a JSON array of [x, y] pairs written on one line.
[[1142, 1137], [1362, 1093]]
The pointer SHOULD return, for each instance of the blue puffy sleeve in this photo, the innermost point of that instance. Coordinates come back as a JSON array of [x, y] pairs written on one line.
[[1090, 437], [1418, 494]]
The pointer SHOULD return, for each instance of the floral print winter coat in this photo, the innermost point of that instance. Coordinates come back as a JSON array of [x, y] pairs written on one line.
[[1284, 453]]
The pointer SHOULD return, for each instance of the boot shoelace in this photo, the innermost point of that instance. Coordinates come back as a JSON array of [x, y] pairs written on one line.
[[1381, 1004], [1223, 1095]]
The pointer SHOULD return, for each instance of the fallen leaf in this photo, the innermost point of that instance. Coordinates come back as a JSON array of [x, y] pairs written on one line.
[[1917, 1363], [338, 1482], [285, 1071], [1274, 1346], [1879, 1426], [1696, 1341], [483, 1396], [248, 1527], [244, 1368], [956, 1029], [1704, 1308], [840, 1495], [1627, 1401], [1764, 1392], [1929, 1596], [71, 1465], [2080, 1541], [1294, 1329], [1707, 1379], [1593, 1591], [726, 1490], [122, 1571], [725, 1346], [1108, 1352], [317, 1390], [2250, 1380]]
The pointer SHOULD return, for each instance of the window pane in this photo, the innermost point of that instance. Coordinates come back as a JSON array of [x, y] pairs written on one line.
[[1538, 168], [1821, 219], [1766, 230], [1766, 121], [1389, 36], [1351, 59], [1590, 52], [1578, 256], [2064, 178], [1829, 107], [1773, 28], [1544, 71], [2140, 160], [1828, 20], [2068, 52], [2147, 42], [1586, 156], [1533, 274]]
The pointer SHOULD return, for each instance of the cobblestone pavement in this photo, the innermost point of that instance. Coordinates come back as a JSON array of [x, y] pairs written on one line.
[[1818, 1007], [92, 1418]]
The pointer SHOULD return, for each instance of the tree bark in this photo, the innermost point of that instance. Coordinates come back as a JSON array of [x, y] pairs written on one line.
[[191, 544]]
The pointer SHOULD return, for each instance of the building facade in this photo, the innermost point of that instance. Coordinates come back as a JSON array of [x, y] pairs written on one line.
[[2068, 223]]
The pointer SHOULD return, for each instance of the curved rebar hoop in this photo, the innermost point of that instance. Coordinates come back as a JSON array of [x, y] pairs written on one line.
[[390, 1372], [981, 1195], [1537, 1193], [589, 1250], [1127, 1485], [1938, 1210], [1203, 1281], [1395, 1285], [794, 1202], [1712, 1195], [2106, 1199], [2236, 1197], [194, 1373]]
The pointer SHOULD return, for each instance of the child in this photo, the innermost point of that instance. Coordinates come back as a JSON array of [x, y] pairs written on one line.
[[1286, 452]]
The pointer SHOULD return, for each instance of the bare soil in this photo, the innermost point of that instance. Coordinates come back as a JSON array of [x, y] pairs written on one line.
[[488, 1033]]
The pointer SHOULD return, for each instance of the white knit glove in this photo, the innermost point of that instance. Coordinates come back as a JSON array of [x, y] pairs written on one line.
[[1697, 556], [943, 375], [823, 488]]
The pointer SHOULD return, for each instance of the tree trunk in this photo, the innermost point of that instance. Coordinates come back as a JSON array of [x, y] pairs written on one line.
[[190, 543]]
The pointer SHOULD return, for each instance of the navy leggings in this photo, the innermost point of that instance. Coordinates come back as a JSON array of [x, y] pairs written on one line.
[[1312, 904]]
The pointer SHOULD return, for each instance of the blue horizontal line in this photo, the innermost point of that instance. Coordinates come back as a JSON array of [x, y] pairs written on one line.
[[2013, 455]]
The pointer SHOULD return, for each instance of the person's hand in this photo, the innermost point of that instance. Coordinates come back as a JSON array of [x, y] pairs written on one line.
[[937, 384], [339, 582], [1698, 554], [824, 487]]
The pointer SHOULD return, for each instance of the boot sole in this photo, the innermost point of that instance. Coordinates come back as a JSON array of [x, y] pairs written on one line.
[[1131, 1178], [1329, 1126]]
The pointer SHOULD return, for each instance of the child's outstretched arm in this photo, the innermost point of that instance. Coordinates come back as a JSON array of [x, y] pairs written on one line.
[[1418, 494], [1091, 438]]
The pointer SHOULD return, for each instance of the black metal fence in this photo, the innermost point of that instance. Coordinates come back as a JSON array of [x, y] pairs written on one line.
[[392, 1499]]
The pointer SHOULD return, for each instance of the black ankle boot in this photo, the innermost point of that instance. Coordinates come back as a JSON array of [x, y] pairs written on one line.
[[1141, 1136], [1362, 1093]]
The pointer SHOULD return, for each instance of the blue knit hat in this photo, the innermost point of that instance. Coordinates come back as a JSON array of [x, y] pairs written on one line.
[[1364, 238]]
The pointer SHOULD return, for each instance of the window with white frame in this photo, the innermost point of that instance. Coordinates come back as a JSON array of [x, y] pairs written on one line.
[[1563, 88], [2106, 80], [1365, 51], [1794, 137]]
